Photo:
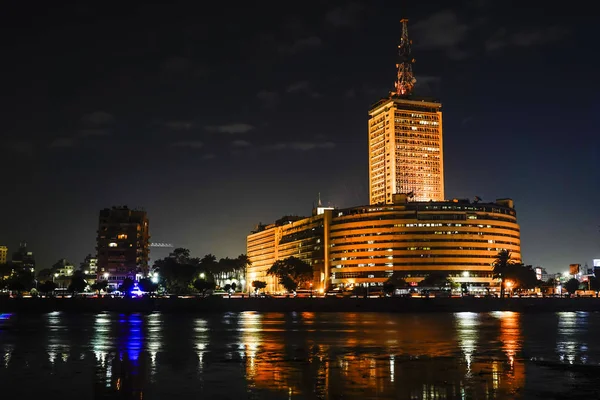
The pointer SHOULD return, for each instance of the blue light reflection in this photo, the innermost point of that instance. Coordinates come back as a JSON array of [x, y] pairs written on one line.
[[5, 316], [130, 337]]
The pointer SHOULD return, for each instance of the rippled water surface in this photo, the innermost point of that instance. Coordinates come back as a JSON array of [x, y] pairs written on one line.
[[500, 355]]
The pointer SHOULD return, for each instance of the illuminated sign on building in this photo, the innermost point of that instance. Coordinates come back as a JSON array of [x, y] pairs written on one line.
[[538, 273], [597, 262], [574, 269]]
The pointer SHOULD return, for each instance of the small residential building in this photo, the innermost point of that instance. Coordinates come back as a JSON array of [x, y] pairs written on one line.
[[63, 268]]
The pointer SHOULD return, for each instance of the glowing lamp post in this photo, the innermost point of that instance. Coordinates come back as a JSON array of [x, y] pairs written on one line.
[[509, 285]]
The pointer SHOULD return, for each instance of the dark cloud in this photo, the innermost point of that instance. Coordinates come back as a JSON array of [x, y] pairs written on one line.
[[89, 132], [526, 38], [177, 65], [192, 144], [345, 16], [295, 87], [98, 118], [300, 146], [62, 142], [179, 125], [240, 143], [230, 128], [301, 45], [302, 87], [441, 31], [427, 84], [23, 147], [268, 98]]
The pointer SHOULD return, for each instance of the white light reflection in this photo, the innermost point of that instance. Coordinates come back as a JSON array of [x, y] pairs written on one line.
[[51, 355], [392, 367], [100, 345], [7, 355], [201, 339], [153, 340], [200, 348], [56, 348], [250, 327], [567, 345], [466, 326]]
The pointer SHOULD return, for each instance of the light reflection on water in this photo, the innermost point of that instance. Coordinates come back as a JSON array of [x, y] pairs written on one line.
[[298, 355]]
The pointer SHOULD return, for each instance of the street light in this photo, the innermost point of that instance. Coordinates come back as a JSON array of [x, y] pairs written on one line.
[[202, 275], [509, 286]]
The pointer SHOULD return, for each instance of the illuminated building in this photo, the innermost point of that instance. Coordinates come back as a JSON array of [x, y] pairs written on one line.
[[289, 236], [405, 140], [409, 227], [365, 245], [63, 268], [3, 254], [122, 244], [89, 266]]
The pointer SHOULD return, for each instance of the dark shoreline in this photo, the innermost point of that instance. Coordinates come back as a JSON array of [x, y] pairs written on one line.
[[216, 304]]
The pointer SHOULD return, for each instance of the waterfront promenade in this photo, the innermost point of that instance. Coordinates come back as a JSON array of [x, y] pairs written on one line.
[[217, 304]]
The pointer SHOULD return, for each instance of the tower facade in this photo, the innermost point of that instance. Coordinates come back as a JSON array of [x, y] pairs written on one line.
[[405, 140], [122, 244]]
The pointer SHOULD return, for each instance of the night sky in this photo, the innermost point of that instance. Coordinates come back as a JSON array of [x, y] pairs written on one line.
[[214, 119]]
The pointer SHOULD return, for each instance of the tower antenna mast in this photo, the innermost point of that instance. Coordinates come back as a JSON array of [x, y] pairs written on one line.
[[405, 81]]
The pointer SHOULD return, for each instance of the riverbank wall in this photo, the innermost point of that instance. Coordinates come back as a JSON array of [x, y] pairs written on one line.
[[220, 305]]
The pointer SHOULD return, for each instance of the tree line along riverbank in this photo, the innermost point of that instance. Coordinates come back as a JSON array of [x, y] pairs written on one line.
[[217, 304]]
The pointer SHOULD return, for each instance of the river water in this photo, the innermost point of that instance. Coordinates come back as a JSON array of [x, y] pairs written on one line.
[[250, 355]]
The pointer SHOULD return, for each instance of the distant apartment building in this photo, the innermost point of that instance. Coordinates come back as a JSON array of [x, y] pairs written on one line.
[[23, 259], [3, 254], [122, 244], [63, 268], [89, 266], [365, 245]]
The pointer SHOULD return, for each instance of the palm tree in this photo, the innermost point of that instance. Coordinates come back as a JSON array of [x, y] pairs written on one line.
[[501, 266], [243, 262]]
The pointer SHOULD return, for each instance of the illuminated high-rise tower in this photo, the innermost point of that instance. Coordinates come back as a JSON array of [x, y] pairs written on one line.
[[405, 139]]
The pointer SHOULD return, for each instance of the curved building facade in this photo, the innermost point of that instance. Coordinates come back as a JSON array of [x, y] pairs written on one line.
[[460, 239], [366, 245]]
